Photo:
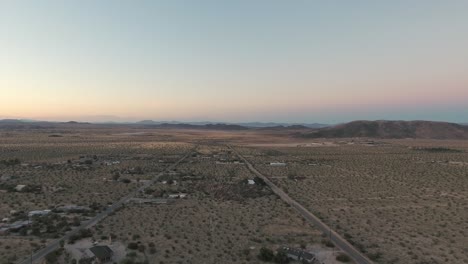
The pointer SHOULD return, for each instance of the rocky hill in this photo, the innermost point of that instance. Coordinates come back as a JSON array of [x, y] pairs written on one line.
[[391, 129]]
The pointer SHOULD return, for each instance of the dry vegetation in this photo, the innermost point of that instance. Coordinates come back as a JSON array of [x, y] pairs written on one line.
[[223, 219], [86, 169], [398, 201], [16, 248]]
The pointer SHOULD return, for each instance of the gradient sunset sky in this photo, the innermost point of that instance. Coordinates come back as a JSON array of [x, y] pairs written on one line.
[[244, 60]]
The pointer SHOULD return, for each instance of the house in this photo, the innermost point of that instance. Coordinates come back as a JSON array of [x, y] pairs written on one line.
[[298, 255], [308, 257], [102, 254], [277, 164], [20, 187], [177, 195], [72, 209], [110, 163], [250, 182], [4, 231], [38, 213], [148, 201], [292, 253], [170, 181], [18, 225], [5, 177]]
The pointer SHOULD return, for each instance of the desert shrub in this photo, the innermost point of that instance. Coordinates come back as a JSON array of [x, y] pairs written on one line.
[[83, 233], [266, 254], [273, 152], [53, 256], [375, 256], [141, 248], [439, 150], [7, 187], [343, 257], [76, 221], [328, 243], [256, 240], [10, 162], [281, 258], [127, 261], [132, 245], [259, 181], [116, 176], [86, 261]]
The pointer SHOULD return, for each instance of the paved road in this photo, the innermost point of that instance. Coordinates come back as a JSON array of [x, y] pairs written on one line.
[[41, 253], [339, 241]]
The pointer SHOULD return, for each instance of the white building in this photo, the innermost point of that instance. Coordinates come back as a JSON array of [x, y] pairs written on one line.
[[38, 213], [277, 164], [178, 195], [20, 187]]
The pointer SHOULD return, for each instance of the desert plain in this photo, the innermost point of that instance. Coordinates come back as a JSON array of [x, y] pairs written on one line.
[[188, 196]]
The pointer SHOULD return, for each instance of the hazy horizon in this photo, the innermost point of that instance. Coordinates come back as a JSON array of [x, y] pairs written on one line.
[[115, 119], [242, 61]]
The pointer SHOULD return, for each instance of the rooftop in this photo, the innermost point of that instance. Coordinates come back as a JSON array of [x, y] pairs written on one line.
[[101, 252]]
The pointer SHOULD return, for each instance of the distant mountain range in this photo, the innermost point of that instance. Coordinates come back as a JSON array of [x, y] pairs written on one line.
[[364, 129], [246, 124], [35, 124], [391, 129], [192, 126]]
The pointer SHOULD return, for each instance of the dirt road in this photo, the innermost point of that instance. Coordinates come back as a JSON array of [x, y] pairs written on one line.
[[339, 241], [41, 253]]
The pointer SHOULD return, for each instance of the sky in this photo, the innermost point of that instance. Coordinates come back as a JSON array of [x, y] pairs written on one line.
[[234, 61]]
